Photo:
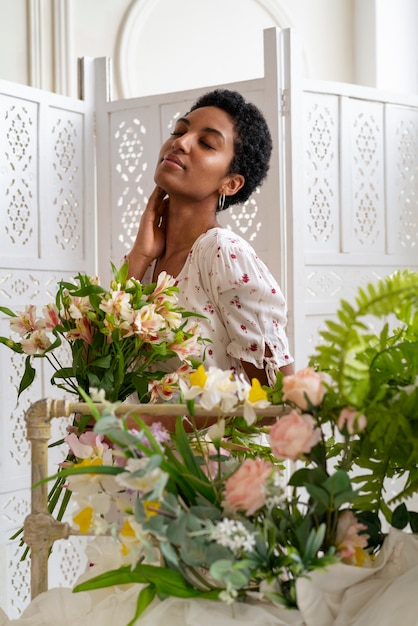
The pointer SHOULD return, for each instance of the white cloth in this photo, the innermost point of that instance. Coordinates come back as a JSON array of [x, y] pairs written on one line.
[[59, 607], [244, 308], [382, 595]]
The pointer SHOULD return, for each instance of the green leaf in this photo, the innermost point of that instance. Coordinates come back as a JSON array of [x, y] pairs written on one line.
[[413, 521], [7, 311], [400, 517], [166, 581], [145, 597], [28, 376], [9, 343]]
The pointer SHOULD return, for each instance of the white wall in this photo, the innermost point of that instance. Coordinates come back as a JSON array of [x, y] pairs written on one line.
[[161, 45], [386, 50]]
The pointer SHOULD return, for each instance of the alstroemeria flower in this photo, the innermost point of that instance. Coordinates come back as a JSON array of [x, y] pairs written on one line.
[[78, 307], [118, 305], [81, 331], [189, 347], [164, 388], [36, 343], [26, 322], [164, 283], [349, 543], [52, 319], [147, 322]]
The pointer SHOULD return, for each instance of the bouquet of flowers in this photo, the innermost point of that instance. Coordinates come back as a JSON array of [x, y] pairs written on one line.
[[116, 337], [214, 513], [113, 340]]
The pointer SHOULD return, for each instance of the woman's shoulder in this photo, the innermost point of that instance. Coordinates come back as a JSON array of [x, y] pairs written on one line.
[[218, 240]]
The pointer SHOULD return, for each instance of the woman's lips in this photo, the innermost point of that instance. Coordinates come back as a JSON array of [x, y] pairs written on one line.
[[173, 161]]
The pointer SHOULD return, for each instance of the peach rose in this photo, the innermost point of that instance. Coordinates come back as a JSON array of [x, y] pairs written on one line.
[[305, 384], [245, 489], [352, 421], [293, 434]]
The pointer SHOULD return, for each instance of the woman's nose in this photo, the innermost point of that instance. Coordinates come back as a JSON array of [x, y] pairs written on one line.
[[181, 142]]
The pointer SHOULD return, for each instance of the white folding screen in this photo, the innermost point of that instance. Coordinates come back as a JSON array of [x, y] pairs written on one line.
[[351, 192], [47, 233]]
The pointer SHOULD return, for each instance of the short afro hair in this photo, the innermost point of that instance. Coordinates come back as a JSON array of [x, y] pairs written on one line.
[[253, 144]]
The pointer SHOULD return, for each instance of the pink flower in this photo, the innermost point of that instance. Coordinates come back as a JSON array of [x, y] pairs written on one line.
[[119, 306], [305, 384], [146, 322], [164, 283], [78, 307], [87, 445], [38, 341], [293, 435], [163, 388], [352, 421], [189, 347], [245, 489], [81, 331], [50, 312], [348, 542], [26, 322]]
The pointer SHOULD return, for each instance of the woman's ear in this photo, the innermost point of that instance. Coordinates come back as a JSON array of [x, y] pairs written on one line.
[[232, 185]]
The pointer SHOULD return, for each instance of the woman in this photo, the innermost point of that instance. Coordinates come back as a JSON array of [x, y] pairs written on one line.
[[217, 155]]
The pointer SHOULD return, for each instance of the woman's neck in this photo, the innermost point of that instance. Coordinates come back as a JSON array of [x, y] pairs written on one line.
[[182, 229]]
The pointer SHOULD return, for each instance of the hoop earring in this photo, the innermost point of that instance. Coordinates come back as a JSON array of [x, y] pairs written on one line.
[[221, 202]]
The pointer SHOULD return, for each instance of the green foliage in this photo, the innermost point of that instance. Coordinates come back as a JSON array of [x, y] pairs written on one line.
[[376, 373]]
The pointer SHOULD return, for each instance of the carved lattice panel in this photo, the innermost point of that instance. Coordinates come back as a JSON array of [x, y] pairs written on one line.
[[321, 171], [402, 178], [64, 232], [15, 579], [134, 141], [325, 287], [67, 561], [18, 177], [363, 199], [43, 193]]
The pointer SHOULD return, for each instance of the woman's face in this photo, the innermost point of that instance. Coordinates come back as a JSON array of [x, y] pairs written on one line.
[[194, 162]]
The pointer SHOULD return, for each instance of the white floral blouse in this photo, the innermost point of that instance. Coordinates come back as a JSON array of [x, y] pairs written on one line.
[[244, 308]]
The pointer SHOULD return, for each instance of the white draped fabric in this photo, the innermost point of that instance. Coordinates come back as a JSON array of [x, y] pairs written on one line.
[[382, 595]]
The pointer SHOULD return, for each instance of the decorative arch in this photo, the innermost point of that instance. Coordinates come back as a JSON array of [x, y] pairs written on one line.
[[135, 20]]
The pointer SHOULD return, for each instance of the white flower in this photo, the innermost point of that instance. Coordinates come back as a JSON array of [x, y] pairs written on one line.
[[233, 535], [216, 389], [141, 476]]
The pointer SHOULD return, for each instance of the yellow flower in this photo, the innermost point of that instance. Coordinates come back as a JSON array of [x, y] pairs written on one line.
[[256, 392], [83, 519], [127, 530], [359, 556], [89, 462], [199, 377], [151, 507]]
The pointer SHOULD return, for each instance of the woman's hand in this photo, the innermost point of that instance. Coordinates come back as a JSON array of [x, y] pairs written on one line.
[[150, 240]]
